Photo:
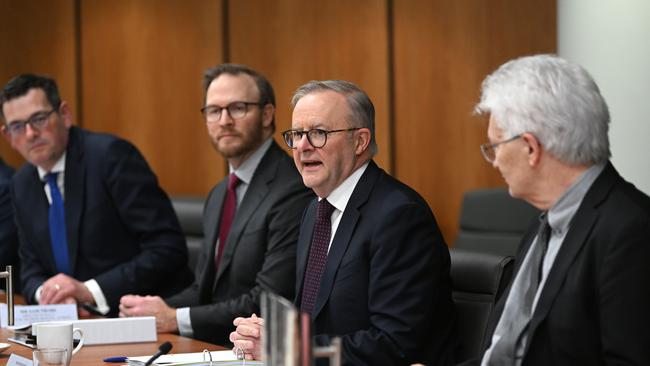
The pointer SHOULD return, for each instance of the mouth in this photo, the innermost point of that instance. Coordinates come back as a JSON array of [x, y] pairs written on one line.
[[311, 164]]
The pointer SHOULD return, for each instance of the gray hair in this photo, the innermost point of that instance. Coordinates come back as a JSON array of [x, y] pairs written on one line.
[[363, 111], [555, 100]]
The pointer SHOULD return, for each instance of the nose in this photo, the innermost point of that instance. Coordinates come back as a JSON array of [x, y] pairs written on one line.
[[304, 144], [30, 131], [225, 118]]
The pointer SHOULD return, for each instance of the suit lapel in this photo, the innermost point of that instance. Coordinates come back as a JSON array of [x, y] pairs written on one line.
[[344, 234], [581, 227], [75, 172], [34, 197], [211, 218], [257, 190]]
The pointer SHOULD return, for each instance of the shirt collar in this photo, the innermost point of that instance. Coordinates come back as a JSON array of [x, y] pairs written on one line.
[[247, 168], [341, 195], [58, 167], [562, 211]]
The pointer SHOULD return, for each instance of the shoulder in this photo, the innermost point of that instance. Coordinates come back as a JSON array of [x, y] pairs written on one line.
[[97, 142]]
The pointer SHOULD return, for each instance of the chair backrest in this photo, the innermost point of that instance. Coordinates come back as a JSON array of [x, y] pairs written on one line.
[[190, 215], [493, 222], [478, 281]]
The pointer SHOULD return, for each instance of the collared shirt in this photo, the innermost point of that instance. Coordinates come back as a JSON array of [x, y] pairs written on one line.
[[92, 285], [559, 219], [340, 196], [245, 174]]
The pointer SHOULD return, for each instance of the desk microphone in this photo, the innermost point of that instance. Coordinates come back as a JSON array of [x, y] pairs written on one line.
[[162, 350]]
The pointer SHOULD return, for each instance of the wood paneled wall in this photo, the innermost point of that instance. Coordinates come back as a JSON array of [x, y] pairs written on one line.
[[134, 68]]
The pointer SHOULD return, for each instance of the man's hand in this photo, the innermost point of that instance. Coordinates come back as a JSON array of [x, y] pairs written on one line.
[[134, 305], [58, 289], [248, 337]]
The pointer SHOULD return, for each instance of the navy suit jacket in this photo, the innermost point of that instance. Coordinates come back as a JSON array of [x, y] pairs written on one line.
[[122, 230], [260, 252], [594, 307], [8, 236], [386, 288]]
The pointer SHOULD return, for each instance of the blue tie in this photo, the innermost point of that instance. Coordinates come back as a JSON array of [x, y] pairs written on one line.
[[58, 234]]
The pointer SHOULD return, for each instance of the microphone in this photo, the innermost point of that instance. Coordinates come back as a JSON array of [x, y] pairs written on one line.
[[162, 350]]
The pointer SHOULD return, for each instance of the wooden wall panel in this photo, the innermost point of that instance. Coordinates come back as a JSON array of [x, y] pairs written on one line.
[[294, 41], [142, 66], [443, 50], [38, 36]]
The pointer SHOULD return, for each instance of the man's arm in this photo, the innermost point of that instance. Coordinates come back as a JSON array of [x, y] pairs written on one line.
[[147, 212]]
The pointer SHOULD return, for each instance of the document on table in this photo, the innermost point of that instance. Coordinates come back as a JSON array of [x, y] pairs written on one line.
[[28, 314], [226, 357]]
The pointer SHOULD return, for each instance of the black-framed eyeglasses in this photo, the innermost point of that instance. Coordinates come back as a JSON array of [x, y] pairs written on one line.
[[489, 150], [37, 121], [236, 110], [316, 137]]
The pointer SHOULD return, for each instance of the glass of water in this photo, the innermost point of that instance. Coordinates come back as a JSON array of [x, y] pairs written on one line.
[[50, 357]]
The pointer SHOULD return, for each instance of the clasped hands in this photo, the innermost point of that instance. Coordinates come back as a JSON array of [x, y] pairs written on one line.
[[135, 305], [247, 337]]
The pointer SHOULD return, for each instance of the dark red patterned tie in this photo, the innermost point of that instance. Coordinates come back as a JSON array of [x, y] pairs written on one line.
[[317, 255], [227, 215]]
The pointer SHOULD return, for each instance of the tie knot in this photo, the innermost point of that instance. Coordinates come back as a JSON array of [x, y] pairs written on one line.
[[51, 177], [233, 181], [324, 209]]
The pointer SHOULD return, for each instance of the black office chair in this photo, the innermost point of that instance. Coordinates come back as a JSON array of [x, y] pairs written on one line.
[[493, 222], [478, 281], [190, 215]]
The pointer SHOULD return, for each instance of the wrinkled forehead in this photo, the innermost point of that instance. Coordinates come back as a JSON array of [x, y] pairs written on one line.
[[322, 109], [24, 106]]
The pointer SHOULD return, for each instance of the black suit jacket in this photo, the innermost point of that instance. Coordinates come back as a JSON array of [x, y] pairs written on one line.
[[8, 236], [122, 230], [260, 252], [594, 307], [386, 288]]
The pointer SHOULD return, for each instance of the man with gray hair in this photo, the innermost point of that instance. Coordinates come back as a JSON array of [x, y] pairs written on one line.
[[372, 266], [580, 292]]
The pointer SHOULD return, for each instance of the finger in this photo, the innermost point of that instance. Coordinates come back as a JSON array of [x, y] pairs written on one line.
[[249, 330]]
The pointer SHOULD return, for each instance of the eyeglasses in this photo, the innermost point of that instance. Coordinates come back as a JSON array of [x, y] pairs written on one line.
[[316, 137], [490, 150], [236, 110], [37, 121]]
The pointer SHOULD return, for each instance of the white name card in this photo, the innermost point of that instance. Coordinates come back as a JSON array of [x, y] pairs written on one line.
[[28, 314], [15, 360]]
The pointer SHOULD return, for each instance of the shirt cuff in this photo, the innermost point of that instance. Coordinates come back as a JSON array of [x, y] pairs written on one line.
[[100, 300], [184, 322], [37, 294]]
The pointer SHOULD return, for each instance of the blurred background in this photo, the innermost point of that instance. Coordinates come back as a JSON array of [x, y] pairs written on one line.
[[134, 68]]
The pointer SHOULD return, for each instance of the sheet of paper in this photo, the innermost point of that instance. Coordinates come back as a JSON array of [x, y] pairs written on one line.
[[226, 357], [28, 314], [15, 360]]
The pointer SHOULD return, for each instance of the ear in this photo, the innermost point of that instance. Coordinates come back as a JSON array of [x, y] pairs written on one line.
[[66, 114], [535, 149], [267, 115], [361, 140]]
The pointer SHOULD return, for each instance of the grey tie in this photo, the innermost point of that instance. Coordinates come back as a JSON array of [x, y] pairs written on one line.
[[515, 323]]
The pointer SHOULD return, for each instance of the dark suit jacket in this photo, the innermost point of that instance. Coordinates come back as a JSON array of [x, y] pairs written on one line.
[[386, 288], [8, 236], [122, 230], [260, 252], [594, 308]]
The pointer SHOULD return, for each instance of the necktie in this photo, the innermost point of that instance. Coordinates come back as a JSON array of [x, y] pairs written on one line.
[[516, 322], [227, 216], [317, 255], [58, 235]]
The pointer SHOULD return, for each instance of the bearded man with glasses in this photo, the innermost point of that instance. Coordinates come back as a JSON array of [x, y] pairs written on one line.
[[93, 223], [250, 219]]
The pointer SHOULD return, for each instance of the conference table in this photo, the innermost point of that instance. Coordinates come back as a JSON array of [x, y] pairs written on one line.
[[93, 355]]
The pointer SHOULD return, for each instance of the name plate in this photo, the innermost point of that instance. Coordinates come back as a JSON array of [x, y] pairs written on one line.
[[15, 360], [28, 314]]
